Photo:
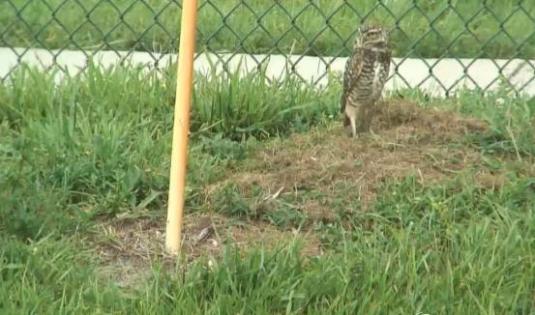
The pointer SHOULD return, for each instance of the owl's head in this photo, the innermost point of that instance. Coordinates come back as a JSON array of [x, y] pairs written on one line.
[[372, 36]]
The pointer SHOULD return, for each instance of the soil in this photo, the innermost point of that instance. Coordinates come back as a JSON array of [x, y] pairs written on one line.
[[405, 140]]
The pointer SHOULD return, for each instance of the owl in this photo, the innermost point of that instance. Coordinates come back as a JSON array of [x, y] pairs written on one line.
[[365, 74]]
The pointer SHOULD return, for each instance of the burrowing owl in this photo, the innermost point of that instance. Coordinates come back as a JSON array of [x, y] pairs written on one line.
[[365, 74]]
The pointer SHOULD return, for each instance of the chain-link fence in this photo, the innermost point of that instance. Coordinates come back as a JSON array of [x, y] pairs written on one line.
[[440, 45]]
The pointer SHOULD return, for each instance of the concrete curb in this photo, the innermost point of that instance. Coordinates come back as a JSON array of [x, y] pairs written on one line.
[[433, 76]]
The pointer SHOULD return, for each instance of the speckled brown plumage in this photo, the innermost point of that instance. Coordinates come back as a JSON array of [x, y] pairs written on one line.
[[365, 74]]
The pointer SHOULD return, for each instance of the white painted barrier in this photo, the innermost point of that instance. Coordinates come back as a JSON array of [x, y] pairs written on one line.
[[433, 76]]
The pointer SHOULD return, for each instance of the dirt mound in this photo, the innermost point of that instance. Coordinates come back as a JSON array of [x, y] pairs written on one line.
[[405, 140], [431, 124]]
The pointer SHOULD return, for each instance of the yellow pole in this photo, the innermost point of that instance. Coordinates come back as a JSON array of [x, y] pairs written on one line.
[[184, 84]]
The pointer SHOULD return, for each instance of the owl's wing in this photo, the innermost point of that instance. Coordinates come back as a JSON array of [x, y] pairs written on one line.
[[386, 62], [351, 74], [346, 84]]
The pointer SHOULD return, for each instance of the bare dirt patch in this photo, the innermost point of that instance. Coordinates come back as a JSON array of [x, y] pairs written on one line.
[[128, 248]]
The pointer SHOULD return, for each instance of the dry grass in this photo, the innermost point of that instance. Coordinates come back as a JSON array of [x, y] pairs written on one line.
[[407, 140]]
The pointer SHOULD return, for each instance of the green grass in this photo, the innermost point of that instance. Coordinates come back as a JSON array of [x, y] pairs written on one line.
[[498, 29], [98, 145]]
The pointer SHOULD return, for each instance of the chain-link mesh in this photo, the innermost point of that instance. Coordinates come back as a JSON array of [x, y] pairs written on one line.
[[440, 44]]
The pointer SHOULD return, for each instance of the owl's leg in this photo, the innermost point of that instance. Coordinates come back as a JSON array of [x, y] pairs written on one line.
[[353, 123], [351, 119]]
